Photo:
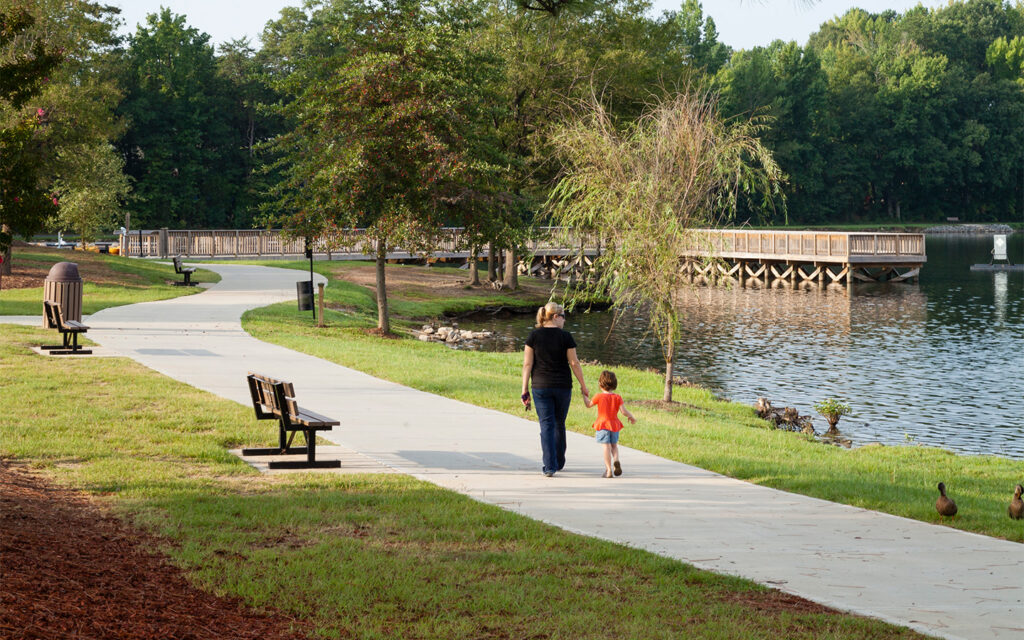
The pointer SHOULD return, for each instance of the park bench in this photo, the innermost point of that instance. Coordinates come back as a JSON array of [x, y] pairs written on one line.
[[274, 399], [69, 330], [183, 271]]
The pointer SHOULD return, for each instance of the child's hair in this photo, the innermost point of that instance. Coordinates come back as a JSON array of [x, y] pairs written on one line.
[[607, 381], [547, 312]]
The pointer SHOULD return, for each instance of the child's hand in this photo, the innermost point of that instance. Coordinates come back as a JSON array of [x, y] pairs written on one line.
[[632, 420]]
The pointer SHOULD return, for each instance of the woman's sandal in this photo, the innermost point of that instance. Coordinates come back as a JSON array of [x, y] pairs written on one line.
[[606, 475], [618, 469]]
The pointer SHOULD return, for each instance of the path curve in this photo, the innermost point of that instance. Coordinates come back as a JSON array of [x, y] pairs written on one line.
[[932, 578]]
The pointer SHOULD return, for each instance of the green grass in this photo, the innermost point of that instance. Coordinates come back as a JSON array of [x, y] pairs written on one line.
[[374, 556], [720, 436], [108, 281]]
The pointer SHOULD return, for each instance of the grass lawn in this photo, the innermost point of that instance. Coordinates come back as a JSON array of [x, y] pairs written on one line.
[[369, 556], [108, 281], [724, 437]]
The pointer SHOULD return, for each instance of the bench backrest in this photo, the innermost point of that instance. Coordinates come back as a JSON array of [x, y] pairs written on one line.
[[272, 397], [54, 315], [177, 264]]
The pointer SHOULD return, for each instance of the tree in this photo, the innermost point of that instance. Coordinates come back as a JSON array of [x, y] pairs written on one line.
[[179, 147], [91, 191], [384, 129], [24, 68], [59, 93], [786, 84], [645, 190]]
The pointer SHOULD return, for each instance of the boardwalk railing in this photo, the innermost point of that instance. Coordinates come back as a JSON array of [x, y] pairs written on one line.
[[813, 246], [783, 246], [234, 243]]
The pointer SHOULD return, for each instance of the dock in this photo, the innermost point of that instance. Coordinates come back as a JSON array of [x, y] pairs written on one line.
[[823, 257]]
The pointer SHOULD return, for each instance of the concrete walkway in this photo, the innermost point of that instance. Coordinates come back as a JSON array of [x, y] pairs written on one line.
[[934, 579]]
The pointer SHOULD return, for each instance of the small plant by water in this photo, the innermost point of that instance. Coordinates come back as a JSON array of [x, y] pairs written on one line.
[[832, 409]]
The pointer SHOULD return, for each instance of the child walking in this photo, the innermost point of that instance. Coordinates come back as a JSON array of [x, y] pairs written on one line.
[[608, 425]]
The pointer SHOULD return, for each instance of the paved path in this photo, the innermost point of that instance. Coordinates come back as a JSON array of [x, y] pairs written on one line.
[[932, 578]]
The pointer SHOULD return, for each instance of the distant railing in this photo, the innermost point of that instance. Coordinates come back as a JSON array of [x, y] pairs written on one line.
[[220, 243], [795, 245], [744, 244]]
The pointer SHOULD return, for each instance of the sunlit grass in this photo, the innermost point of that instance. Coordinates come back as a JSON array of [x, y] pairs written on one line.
[[124, 281], [368, 556], [724, 437]]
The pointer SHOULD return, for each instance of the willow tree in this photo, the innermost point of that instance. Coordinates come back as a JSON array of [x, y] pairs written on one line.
[[645, 188]]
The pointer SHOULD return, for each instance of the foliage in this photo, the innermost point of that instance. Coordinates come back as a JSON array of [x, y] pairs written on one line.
[[832, 410], [386, 129], [67, 105], [892, 116], [190, 145], [644, 190], [91, 194]]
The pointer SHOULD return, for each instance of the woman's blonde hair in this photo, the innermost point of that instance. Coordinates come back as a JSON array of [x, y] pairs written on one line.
[[548, 312]]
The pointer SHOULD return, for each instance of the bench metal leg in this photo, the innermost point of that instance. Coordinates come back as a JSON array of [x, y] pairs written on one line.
[[70, 347], [281, 450], [310, 462]]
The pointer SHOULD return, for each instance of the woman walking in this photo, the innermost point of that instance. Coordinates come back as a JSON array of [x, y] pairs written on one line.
[[549, 358]]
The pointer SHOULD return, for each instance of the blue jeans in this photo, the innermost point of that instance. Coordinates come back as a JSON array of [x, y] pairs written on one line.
[[552, 407]]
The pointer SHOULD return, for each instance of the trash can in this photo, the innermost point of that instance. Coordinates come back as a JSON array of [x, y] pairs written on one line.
[[63, 285], [305, 293]]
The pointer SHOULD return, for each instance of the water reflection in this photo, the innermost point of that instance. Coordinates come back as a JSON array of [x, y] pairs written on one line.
[[939, 363]]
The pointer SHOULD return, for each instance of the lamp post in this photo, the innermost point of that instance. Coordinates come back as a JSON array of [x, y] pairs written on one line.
[[309, 254]]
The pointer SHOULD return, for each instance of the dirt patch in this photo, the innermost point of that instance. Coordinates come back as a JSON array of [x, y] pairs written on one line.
[[672, 407], [413, 282], [72, 571], [29, 274], [772, 602]]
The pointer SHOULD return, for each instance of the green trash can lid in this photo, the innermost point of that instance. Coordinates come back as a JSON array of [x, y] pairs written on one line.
[[64, 272]]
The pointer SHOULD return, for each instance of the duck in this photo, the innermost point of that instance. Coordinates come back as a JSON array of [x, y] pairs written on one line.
[[1016, 508], [944, 505]]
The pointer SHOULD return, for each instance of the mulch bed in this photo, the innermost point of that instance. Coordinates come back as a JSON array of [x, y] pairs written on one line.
[[69, 570]]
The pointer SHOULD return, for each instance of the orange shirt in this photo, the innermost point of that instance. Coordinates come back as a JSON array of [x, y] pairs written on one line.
[[608, 405]]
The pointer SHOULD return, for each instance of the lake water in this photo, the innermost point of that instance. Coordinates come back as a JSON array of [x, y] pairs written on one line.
[[939, 362]]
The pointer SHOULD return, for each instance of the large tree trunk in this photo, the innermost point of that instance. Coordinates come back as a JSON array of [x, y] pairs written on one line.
[[5, 268], [492, 273], [511, 281], [383, 321], [474, 270]]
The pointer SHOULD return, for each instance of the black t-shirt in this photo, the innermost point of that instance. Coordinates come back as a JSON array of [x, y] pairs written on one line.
[[550, 362]]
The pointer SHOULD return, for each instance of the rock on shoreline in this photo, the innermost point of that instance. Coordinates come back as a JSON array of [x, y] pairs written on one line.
[[976, 229], [450, 334]]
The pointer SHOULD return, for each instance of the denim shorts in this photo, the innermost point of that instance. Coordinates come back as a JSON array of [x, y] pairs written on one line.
[[604, 436]]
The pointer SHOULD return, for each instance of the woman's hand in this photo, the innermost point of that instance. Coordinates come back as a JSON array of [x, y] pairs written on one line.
[[526, 400]]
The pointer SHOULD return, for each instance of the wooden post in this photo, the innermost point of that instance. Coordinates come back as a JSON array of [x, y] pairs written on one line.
[[320, 318]]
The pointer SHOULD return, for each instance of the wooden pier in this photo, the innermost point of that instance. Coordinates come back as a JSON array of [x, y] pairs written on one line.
[[806, 256], [796, 256]]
